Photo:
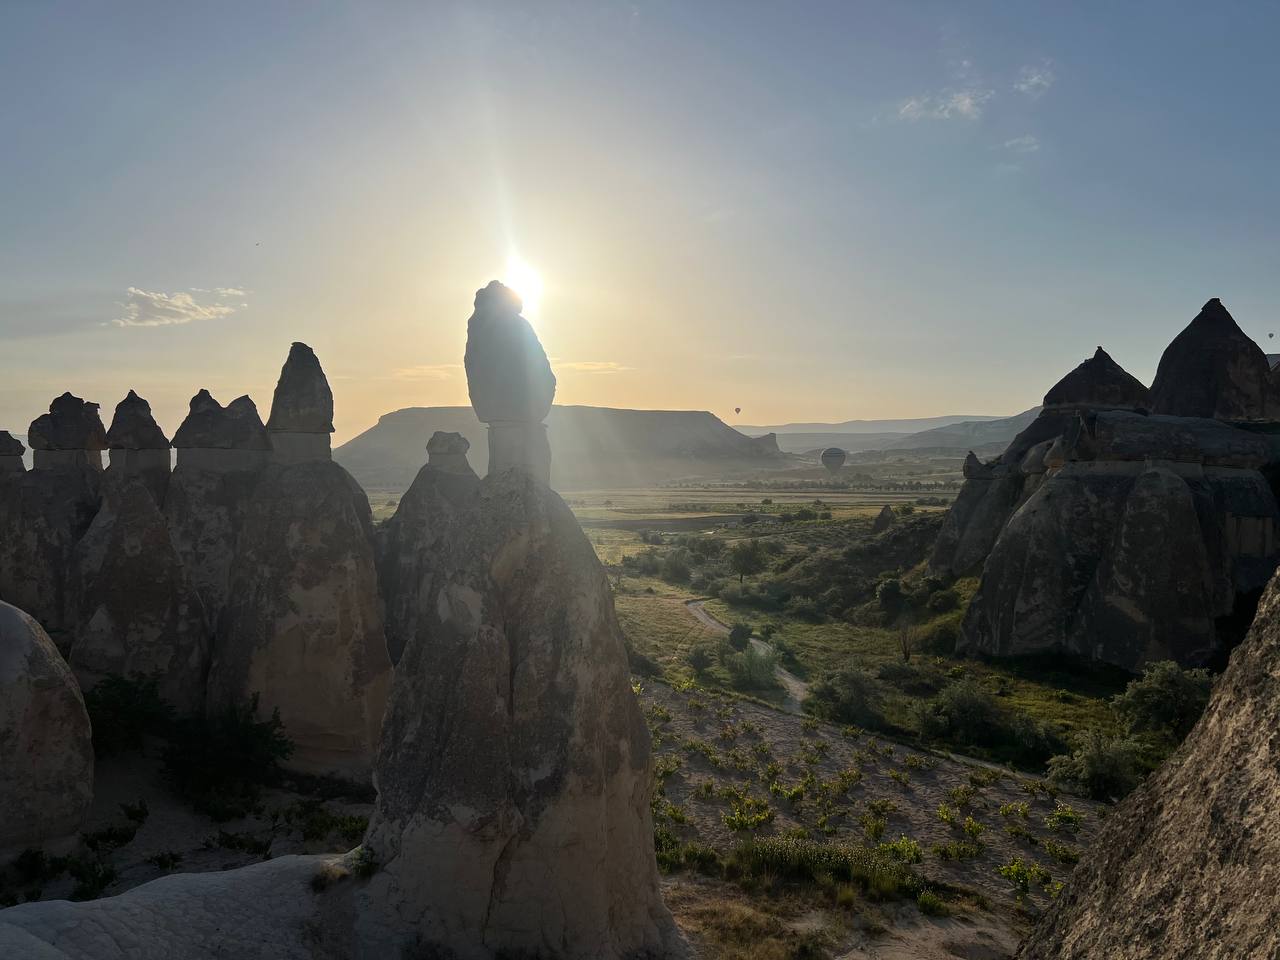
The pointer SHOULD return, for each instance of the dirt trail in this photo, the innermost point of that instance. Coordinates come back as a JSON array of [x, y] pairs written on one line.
[[794, 689]]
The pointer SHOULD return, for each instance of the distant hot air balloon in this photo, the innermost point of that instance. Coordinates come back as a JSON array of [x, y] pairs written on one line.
[[737, 409], [833, 459]]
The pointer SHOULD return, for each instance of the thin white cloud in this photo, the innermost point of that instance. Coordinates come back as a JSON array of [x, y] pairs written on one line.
[[145, 308], [964, 104], [427, 371], [591, 366], [1034, 82], [1024, 144], [230, 292]]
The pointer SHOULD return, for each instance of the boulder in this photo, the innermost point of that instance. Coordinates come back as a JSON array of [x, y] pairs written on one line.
[[302, 410], [510, 383], [1099, 382], [138, 447], [46, 756], [1189, 864], [138, 611], [515, 771], [1213, 369], [11, 451], [413, 545]]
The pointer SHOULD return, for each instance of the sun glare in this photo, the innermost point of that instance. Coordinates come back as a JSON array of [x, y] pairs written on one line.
[[524, 280]]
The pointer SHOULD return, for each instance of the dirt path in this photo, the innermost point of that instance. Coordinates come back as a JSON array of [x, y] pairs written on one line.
[[793, 688]]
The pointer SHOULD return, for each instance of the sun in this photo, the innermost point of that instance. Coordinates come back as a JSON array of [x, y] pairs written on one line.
[[524, 280]]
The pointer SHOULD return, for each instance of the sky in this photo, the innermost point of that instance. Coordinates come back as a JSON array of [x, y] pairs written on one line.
[[811, 211]]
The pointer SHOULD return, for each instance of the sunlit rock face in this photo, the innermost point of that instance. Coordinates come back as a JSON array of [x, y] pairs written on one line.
[[510, 383], [414, 544], [302, 626], [138, 447], [302, 410], [46, 757], [221, 453], [137, 610], [1186, 865], [1213, 369], [514, 776]]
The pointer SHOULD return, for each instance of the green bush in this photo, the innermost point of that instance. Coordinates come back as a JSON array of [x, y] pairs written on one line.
[[1101, 767], [964, 713], [125, 711], [740, 635], [1165, 699], [846, 696], [809, 861], [700, 658], [753, 669], [675, 567]]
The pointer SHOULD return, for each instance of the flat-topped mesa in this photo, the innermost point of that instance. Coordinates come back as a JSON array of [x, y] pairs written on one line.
[[11, 451], [1099, 382], [69, 435], [222, 439], [510, 383], [301, 410], [1213, 369], [137, 447]]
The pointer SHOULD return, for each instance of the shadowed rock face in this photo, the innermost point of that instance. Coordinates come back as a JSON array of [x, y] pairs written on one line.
[[1099, 382], [1212, 369], [513, 812], [303, 402], [1187, 865], [11, 446], [413, 545], [46, 758], [137, 609], [884, 520], [210, 426], [70, 424], [139, 448]]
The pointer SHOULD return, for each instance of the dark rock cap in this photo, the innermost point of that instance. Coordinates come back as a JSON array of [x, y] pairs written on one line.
[[303, 402], [1212, 369], [70, 424], [11, 446], [508, 376], [133, 427], [448, 443], [1099, 382], [210, 425]]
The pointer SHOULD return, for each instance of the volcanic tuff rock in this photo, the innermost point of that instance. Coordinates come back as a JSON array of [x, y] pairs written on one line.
[[211, 426], [138, 447], [46, 758], [11, 451], [412, 546], [884, 520], [1099, 382], [1212, 369], [1189, 864], [70, 424], [303, 401], [137, 609], [514, 775]]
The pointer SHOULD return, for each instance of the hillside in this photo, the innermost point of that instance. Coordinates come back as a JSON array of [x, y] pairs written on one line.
[[901, 426], [591, 446], [968, 434]]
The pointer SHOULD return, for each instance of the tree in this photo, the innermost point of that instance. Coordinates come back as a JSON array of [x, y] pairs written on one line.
[[746, 558], [740, 636]]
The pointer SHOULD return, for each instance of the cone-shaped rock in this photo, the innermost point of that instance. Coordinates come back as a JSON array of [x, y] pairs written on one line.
[[138, 447], [1186, 866], [1212, 369], [514, 776], [303, 402], [70, 424], [46, 757], [138, 611], [1099, 382], [302, 626], [414, 544], [11, 451]]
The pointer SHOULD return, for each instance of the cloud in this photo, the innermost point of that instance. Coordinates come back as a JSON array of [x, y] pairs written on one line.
[[590, 366], [1034, 81], [964, 104], [427, 371], [144, 308], [1024, 144]]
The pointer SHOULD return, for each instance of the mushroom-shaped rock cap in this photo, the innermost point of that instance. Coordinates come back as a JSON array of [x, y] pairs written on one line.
[[1212, 369], [210, 425], [303, 402], [244, 425], [1099, 382], [133, 427], [508, 375], [11, 446], [70, 424], [448, 444]]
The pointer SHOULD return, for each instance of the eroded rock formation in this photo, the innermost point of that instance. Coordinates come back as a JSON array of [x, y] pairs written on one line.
[[510, 383], [1188, 865], [137, 447], [413, 544], [46, 758], [11, 451], [884, 520], [302, 412], [70, 434], [302, 626]]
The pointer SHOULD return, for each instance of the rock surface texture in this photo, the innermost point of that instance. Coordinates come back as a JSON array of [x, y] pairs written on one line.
[[302, 410], [514, 777], [1189, 864], [138, 447], [46, 758]]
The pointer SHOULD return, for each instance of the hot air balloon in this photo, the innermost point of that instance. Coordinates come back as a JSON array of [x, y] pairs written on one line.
[[737, 409], [833, 459]]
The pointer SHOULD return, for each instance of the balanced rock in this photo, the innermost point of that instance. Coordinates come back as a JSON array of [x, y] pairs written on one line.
[[138, 611], [137, 447], [1213, 369], [221, 453], [11, 451], [515, 771], [302, 626], [302, 410], [413, 544], [510, 383], [70, 434], [1188, 864], [46, 757]]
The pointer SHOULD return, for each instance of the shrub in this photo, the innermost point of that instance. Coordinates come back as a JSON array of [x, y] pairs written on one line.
[[809, 861], [965, 714], [846, 696], [904, 850], [1061, 852], [931, 904], [1165, 699], [753, 669], [1064, 817], [943, 601], [740, 635], [1021, 874], [889, 594], [1101, 767], [700, 658], [124, 711], [675, 567]]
